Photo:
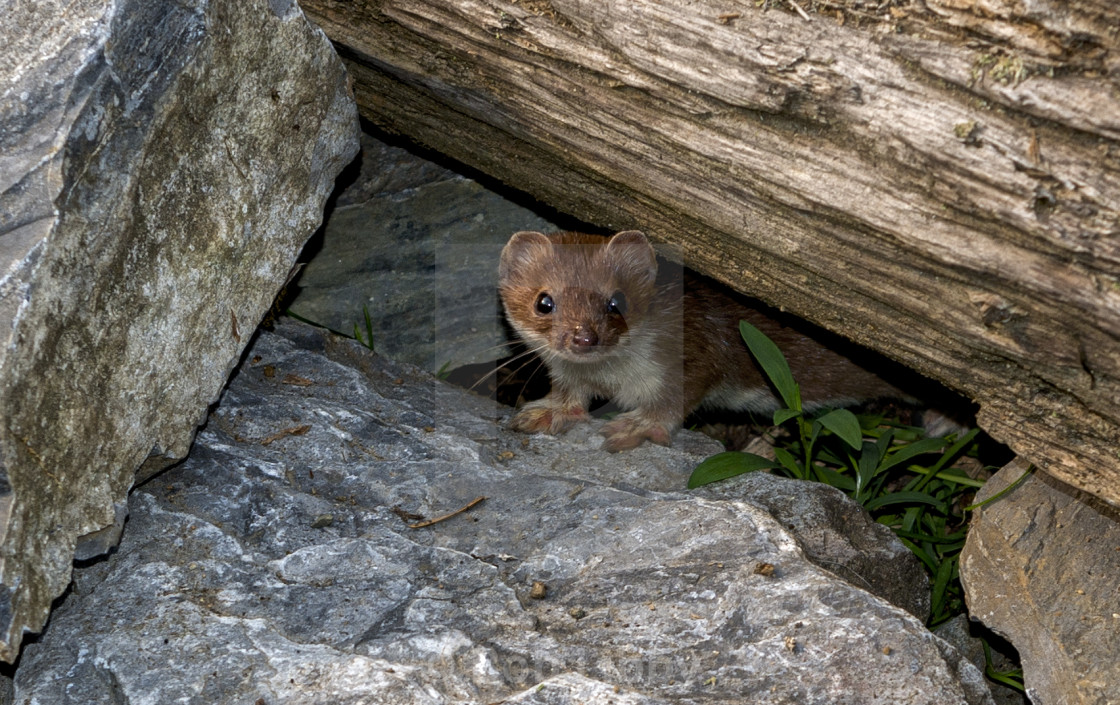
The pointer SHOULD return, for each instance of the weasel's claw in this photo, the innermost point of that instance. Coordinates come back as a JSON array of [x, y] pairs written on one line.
[[630, 430], [542, 416]]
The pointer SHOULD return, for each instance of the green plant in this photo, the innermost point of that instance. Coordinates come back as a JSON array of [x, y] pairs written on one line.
[[904, 480], [368, 341], [1012, 678]]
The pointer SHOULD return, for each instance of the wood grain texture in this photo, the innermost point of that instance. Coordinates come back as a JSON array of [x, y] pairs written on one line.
[[938, 181]]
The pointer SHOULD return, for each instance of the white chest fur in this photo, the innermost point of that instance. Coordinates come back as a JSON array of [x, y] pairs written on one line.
[[630, 374]]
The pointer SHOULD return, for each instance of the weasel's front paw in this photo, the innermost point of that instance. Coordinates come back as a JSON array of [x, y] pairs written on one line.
[[545, 416], [629, 430]]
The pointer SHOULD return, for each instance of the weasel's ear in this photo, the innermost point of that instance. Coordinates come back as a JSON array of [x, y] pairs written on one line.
[[631, 255], [631, 236], [523, 249]]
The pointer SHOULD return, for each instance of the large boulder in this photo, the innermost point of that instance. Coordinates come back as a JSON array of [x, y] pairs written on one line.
[[161, 165], [1041, 567], [288, 560]]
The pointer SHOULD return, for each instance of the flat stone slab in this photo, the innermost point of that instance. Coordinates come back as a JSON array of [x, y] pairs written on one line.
[[277, 565]]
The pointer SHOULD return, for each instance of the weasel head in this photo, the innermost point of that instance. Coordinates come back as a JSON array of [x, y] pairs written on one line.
[[576, 297]]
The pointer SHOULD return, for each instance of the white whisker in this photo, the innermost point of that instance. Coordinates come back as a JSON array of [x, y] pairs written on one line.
[[506, 364]]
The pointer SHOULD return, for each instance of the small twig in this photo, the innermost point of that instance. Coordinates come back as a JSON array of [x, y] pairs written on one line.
[[405, 515], [296, 381], [233, 324], [293, 431], [437, 520], [800, 10]]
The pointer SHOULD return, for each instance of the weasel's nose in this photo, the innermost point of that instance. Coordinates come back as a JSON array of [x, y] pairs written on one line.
[[584, 337]]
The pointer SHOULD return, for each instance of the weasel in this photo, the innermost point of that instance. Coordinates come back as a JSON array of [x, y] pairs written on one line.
[[605, 326]]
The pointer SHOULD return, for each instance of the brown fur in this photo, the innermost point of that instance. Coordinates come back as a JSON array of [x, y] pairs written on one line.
[[669, 353]]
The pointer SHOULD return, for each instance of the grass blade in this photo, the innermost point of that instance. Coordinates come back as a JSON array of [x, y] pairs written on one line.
[[1011, 679], [926, 445], [909, 498], [924, 477], [1018, 481], [868, 462], [940, 582], [918, 551], [883, 445]]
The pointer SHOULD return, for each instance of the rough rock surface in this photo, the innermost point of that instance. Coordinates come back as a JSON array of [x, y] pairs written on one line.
[[1040, 567], [276, 565], [839, 536], [161, 164], [959, 631], [414, 246]]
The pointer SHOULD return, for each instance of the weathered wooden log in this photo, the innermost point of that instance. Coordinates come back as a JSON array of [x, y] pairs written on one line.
[[939, 181]]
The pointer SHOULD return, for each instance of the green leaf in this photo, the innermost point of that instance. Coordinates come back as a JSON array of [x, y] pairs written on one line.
[[789, 462], [1005, 490], [950, 455], [910, 517], [959, 478], [882, 444], [814, 432], [903, 498], [944, 542], [783, 415], [941, 580], [773, 363], [868, 462], [368, 340], [825, 455], [918, 551], [870, 422], [838, 480], [1011, 679], [911, 498], [926, 445], [724, 465], [845, 425], [956, 449]]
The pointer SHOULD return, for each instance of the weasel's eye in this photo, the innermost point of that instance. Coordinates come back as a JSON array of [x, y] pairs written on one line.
[[545, 305], [617, 304]]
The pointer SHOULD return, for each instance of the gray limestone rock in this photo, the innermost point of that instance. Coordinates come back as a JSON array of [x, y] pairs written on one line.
[[161, 165], [1040, 567], [286, 561], [415, 246], [839, 536]]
